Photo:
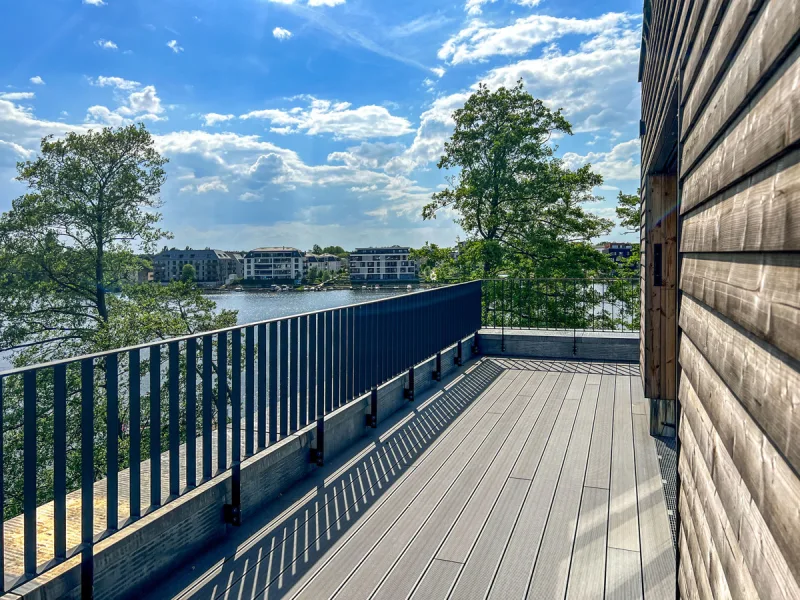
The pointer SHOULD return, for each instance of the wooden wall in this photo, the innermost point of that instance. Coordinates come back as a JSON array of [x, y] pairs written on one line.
[[737, 71]]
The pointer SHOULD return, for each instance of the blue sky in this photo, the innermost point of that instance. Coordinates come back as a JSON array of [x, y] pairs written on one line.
[[313, 121]]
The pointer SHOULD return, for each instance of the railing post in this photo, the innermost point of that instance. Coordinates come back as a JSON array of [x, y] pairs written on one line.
[[475, 347], [372, 417], [408, 393], [437, 374], [317, 455], [459, 357]]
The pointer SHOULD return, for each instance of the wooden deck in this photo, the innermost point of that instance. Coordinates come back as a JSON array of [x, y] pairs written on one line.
[[523, 478]]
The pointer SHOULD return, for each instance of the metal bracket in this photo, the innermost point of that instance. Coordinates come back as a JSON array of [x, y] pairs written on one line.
[[408, 393], [437, 374], [475, 348], [459, 361], [372, 417], [232, 514], [317, 455]]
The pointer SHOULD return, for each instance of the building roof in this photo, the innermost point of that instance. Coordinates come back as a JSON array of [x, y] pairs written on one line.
[[276, 249], [204, 254]]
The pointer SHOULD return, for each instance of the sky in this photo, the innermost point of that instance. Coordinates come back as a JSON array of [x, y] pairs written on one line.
[[301, 122]]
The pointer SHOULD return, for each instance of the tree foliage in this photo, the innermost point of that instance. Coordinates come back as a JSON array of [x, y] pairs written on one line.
[[188, 273], [512, 194]]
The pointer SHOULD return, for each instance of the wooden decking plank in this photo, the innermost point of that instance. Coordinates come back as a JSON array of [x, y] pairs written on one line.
[[431, 507], [462, 537], [504, 401], [658, 552], [465, 502], [587, 572], [437, 581], [623, 520], [476, 577], [598, 469], [516, 566], [554, 386], [623, 575], [551, 571], [430, 462]]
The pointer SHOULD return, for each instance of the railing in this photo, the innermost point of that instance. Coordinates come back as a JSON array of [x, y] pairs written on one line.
[[603, 304], [81, 420]]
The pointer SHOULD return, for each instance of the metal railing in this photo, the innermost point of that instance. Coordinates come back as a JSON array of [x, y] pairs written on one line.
[[601, 304], [110, 415]]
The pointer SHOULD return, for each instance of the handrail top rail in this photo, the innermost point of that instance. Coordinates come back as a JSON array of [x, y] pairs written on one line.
[[183, 338]]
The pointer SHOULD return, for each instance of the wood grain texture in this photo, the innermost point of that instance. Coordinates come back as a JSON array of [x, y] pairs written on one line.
[[586, 575], [776, 26], [759, 292], [759, 376], [623, 519], [768, 126], [728, 430], [721, 485], [709, 14], [756, 215]]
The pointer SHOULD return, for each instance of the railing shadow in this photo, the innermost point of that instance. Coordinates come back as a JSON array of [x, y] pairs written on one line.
[[282, 548]]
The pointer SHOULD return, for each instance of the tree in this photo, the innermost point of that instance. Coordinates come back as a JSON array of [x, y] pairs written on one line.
[[317, 249], [188, 273], [64, 247], [630, 215], [511, 192]]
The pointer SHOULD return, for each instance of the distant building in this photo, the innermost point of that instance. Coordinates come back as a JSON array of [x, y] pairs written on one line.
[[274, 263], [618, 251], [383, 264], [211, 266], [323, 262]]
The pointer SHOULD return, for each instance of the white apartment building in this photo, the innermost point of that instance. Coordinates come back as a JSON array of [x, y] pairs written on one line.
[[390, 263], [323, 262], [274, 263]]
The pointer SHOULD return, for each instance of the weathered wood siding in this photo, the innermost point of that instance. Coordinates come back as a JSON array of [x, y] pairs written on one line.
[[734, 68]]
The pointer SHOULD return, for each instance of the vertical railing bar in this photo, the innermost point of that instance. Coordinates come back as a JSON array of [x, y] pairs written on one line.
[[236, 396], [329, 333], [222, 401], [284, 379], [59, 462], [303, 371], [112, 442], [262, 386], [29, 472], [294, 356], [3, 498], [174, 420], [320, 366], [191, 412], [249, 390], [87, 476], [273, 383], [155, 426], [312, 367], [135, 450], [336, 369], [208, 402]]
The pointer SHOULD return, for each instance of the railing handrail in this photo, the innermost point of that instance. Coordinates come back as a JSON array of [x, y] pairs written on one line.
[[183, 338]]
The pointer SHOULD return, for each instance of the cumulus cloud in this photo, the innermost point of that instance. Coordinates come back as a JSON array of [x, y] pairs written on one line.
[[475, 7], [173, 45], [337, 118], [15, 96], [140, 105], [36, 80], [94, 2], [479, 40], [115, 82], [325, 2], [367, 155], [620, 163], [212, 119], [438, 71], [280, 33], [106, 44]]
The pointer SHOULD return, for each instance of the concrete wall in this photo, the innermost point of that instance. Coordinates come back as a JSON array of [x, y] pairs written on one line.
[[585, 345], [148, 550]]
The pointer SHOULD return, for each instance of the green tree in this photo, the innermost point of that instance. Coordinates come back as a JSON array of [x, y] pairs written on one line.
[[317, 249], [188, 273], [630, 215], [92, 201], [511, 192]]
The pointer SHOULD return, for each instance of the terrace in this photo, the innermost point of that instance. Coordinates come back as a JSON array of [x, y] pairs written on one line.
[[391, 449]]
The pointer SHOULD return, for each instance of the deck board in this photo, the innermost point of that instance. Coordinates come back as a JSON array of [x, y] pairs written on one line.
[[542, 485]]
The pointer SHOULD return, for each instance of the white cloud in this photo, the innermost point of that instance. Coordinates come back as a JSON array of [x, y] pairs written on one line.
[[116, 82], [212, 119], [474, 7], [367, 155], [324, 116], [12, 96], [215, 185], [480, 40], [438, 71], [281, 34], [620, 163], [36, 80], [141, 105], [23, 153], [249, 197], [94, 2], [173, 45], [325, 2], [106, 44]]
